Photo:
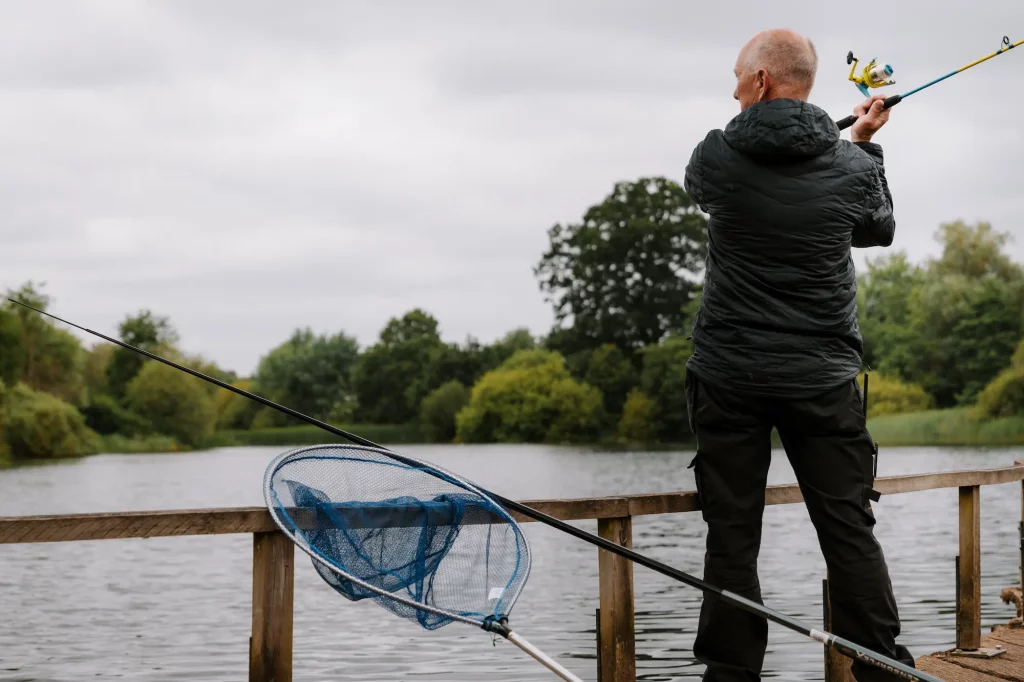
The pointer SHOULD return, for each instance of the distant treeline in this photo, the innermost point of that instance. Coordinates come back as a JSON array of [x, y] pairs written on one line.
[[624, 283]]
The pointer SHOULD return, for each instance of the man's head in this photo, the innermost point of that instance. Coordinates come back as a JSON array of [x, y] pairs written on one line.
[[775, 63]]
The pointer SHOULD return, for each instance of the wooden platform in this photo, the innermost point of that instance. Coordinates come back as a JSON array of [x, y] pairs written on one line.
[[1008, 666]]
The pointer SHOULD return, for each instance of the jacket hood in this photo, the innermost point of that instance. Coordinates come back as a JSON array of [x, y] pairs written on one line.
[[782, 127]]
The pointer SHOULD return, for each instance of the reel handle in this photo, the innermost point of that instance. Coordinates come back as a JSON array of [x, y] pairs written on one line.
[[851, 119]]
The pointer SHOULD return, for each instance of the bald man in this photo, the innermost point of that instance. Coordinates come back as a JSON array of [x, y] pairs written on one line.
[[777, 345]]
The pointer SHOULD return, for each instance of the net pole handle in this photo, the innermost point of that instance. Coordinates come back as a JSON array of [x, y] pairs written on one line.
[[548, 662]]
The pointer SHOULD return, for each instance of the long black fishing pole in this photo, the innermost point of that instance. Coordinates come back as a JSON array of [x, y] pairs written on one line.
[[843, 646], [874, 76]]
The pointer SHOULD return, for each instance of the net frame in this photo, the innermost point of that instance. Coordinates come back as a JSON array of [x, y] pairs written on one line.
[[288, 526]]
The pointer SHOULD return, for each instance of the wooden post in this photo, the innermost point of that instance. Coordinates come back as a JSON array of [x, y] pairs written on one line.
[[617, 635], [273, 586], [968, 608], [837, 666]]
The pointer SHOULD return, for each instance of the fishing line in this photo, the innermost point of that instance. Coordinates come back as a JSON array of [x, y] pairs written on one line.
[[835, 642]]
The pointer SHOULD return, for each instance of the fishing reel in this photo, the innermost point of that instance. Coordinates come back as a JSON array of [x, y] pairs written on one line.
[[873, 75]]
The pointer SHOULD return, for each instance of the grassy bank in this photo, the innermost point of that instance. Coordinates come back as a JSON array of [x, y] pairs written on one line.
[[946, 427]]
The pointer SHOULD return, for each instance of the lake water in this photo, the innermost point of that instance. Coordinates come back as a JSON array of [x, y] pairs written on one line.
[[179, 608]]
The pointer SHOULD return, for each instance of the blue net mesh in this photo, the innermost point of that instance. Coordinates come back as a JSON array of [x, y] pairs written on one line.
[[417, 540]]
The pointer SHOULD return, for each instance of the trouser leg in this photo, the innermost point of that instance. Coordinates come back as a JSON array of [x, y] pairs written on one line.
[[731, 470], [828, 444]]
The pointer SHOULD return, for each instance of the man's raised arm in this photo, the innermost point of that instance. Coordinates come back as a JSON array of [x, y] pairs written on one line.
[[878, 226]]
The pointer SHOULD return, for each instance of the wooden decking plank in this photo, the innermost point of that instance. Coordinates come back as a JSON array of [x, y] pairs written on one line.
[[951, 672], [1007, 636]]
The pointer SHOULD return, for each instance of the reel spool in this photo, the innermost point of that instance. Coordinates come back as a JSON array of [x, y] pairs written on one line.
[[873, 75]]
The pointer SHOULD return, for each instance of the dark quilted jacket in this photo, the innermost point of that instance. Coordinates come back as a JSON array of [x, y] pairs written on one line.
[[786, 198]]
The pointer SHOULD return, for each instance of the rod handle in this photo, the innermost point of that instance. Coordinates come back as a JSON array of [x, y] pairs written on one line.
[[851, 119]]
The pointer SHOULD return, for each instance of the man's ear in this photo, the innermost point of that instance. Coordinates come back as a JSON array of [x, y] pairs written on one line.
[[762, 84]]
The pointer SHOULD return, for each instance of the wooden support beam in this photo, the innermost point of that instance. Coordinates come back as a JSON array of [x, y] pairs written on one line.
[[968, 608], [617, 636], [837, 666], [273, 587]]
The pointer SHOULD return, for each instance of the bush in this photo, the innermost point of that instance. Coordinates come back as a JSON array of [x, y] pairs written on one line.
[[41, 426], [1004, 396], [176, 403], [531, 397], [887, 395], [437, 413], [105, 416], [235, 411], [639, 421]]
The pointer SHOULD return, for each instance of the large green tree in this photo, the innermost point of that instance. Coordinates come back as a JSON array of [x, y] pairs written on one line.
[[311, 374], [143, 330], [394, 375], [950, 325], [38, 353], [626, 272]]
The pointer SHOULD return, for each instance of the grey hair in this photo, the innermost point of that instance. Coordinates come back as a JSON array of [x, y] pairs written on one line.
[[788, 57]]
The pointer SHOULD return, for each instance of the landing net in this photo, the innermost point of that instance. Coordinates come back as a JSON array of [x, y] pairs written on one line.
[[418, 540]]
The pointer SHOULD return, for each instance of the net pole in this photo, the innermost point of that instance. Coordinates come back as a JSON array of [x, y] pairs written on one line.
[[545, 660]]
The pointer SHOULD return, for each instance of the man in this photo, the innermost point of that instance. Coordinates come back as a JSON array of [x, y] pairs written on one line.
[[777, 345]]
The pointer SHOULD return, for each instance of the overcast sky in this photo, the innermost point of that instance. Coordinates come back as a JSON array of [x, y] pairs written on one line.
[[248, 167]]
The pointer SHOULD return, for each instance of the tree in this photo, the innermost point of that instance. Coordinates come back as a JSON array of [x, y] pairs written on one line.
[[974, 252], [143, 330], [94, 370], [619, 275], [663, 380], [437, 413], [42, 356], [311, 374], [12, 350], [611, 372], [5, 452], [176, 403], [393, 376], [884, 306], [505, 347], [531, 397]]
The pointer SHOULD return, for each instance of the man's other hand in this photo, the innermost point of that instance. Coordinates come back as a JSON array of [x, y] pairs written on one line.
[[870, 118]]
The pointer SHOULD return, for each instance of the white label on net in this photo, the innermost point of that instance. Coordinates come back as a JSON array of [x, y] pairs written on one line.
[[496, 593]]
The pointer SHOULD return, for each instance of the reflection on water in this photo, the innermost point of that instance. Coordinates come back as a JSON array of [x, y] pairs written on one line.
[[179, 608]]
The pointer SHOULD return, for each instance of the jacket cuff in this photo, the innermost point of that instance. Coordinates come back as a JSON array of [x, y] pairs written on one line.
[[873, 149]]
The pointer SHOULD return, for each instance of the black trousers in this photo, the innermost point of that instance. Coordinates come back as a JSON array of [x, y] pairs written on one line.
[[831, 451]]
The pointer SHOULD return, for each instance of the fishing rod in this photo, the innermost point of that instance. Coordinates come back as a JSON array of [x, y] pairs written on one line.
[[875, 75], [839, 644]]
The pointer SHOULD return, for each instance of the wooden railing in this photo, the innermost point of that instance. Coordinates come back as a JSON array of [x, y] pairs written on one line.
[[270, 648]]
